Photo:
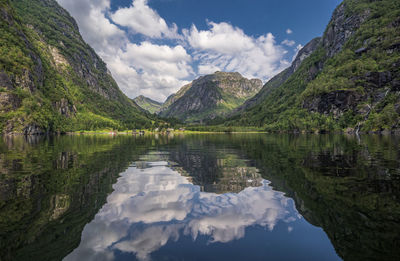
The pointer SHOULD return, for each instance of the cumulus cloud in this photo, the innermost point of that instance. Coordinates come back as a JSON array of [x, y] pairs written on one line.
[[140, 18], [228, 48], [146, 68], [289, 31], [288, 42], [166, 60], [155, 70], [104, 36], [152, 206]]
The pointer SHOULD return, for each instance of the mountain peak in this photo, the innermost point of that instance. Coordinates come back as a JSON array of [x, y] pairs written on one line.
[[211, 96]]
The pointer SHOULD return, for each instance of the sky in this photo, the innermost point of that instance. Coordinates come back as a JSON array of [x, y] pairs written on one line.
[[154, 47]]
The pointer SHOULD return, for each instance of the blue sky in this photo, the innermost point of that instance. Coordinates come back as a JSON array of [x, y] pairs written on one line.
[[153, 47]]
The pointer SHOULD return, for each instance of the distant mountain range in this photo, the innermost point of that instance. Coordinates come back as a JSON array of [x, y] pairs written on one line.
[[206, 98]]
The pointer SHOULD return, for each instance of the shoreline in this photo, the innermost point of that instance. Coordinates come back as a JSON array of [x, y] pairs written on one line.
[[145, 133]]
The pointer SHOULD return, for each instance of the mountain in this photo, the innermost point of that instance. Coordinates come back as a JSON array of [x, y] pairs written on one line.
[[50, 79], [173, 97], [210, 96], [280, 78], [148, 104], [347, 80]]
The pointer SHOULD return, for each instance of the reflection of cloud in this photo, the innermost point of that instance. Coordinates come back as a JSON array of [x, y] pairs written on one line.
[[151, 206]]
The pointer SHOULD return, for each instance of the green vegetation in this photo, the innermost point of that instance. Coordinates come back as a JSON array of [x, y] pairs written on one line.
[[306, 101], [52, 187], [209, 97], [55, 80], [148, 104]]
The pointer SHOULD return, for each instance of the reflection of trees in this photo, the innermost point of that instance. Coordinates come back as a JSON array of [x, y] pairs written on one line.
[[349, 188], [49, 189]]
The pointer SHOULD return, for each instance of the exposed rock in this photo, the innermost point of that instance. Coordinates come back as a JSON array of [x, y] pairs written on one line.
[[26, 81], [335, 103], [59, 59], [341, 28], [33, 129], [361, 50], [65, 108], [8, 102], [378, 79], [5, 81], [201, 99]]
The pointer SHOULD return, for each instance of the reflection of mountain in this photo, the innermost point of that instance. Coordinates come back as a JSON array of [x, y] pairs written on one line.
[[214, 170], [151, 206], [348, 187], [50, 188]]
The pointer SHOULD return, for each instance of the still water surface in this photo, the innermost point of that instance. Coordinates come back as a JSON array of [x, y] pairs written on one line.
[[200, 197]]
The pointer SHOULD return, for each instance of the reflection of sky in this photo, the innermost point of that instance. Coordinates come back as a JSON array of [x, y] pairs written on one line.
[[153, 206]]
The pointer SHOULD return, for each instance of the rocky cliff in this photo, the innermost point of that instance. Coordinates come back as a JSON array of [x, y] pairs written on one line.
[[349, 79], [50, 79], [210, 96]]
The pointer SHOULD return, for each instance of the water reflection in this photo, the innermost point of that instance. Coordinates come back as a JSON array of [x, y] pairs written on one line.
[[205, 197], [155, 204]]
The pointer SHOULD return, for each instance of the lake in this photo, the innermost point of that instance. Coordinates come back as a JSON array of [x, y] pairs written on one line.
[[200, 197]]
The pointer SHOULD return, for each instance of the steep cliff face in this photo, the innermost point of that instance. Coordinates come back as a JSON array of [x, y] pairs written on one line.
[[50, 79], [211, 96], [349, 82]]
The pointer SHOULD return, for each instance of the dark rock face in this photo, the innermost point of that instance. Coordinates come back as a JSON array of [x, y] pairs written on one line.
[[9, 101], [5, 81], [334, 103], [212, 95], [341, 28], [33, 130], [65, 108], [378, 79]]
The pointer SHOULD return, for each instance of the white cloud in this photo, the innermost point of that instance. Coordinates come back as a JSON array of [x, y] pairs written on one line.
[[288, 42], [228, 48], [140, 18], [157, 70], [149, 69], [222, 38], [289, 31], [95, 28], [167, 206]]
